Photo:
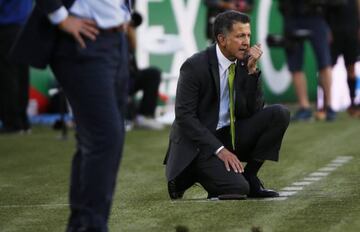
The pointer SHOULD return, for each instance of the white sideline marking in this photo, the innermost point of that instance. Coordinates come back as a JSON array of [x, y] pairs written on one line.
[[281, 198], [311, 178], [303, 183], [284, 194], [319, 174], [340, 161], [287, 193], [335, 164], [327, 169], [348, 158], [292, 188]]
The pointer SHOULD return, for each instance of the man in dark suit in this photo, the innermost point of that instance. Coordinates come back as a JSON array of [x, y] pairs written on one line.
[[202, 146], [84, 43]]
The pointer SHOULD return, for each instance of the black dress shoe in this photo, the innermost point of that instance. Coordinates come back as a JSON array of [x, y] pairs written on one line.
[[257, 189], [174, 191]]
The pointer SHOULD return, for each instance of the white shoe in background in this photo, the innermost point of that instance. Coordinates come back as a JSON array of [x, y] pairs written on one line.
[[129, 125], [148, 123]]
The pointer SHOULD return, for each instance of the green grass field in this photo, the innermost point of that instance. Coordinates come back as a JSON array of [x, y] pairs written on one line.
[[34, 174]]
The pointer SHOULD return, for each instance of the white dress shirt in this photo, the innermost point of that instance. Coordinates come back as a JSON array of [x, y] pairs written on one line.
[[106, 13], [224, 111]]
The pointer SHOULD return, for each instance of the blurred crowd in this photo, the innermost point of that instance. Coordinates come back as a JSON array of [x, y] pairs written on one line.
[[331, 27]]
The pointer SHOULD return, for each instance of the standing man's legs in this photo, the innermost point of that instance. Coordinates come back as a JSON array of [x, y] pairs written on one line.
[[345, 43], [321, 45], [295, 58], [24, 83], [14, 79], [354, 109], [300, 85], [325, 81], [148, 80], [90, 78]]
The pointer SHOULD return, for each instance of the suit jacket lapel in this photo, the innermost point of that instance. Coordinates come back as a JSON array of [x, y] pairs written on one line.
[[240, 73], [240, 79], [214, 68]]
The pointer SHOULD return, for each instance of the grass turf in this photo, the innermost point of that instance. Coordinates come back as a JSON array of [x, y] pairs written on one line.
[[34, 173]]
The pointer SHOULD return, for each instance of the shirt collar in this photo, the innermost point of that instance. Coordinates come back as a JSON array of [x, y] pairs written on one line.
[[223, 61]]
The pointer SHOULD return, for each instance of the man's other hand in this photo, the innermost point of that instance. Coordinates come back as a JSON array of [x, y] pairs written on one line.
[[78, 27], [230, 160], [255, 53]]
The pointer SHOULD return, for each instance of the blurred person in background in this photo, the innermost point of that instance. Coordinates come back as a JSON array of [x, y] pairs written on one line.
[[214, 7], [308, 15], [85, 44], [147, 80], [344, 22], [14, 78]]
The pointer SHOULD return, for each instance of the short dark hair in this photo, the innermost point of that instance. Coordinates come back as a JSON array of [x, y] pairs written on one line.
[[224, 21]]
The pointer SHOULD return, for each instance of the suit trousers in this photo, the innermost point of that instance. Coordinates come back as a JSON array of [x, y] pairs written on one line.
[[14, 84], [257, 138], [94, 80]]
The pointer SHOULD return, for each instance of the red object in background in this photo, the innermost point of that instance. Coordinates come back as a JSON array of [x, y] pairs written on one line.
[[163, 97], [242, 5], [42, 100]]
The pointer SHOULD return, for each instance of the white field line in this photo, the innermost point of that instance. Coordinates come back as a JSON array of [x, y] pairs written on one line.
[[291, 190], [322, 174], [280, 198], [313, 177], [335, 164], [287, 193], [327, 169], [302, 183]]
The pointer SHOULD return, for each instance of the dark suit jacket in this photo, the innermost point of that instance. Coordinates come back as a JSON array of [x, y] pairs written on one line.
[[36, 41], [197, 108]]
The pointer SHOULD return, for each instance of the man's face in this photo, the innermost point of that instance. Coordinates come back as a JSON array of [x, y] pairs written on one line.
[[236, 43]]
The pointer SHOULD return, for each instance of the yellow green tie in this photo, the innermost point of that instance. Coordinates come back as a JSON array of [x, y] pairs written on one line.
[[231, 78]]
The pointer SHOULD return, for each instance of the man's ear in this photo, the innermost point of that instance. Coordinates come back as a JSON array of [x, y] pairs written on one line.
[[221, 39]]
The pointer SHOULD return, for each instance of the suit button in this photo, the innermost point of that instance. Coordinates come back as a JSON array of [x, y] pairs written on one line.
[[198, 149]]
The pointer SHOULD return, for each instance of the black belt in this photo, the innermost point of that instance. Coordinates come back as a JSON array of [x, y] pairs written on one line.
[[120, 28]]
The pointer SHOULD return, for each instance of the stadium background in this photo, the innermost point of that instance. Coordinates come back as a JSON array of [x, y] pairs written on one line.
[[173, 30]]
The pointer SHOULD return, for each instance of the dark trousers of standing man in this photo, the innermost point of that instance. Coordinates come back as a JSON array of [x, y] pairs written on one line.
[[147, 80], [93, 80], [14, 84]]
